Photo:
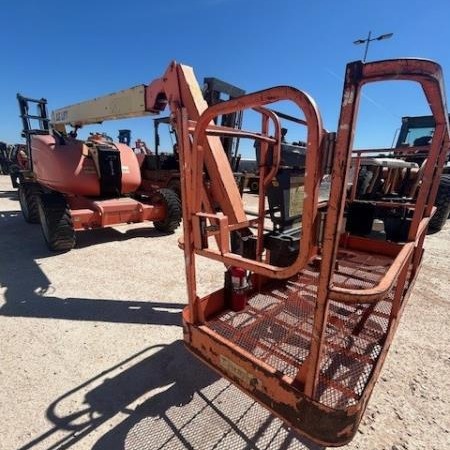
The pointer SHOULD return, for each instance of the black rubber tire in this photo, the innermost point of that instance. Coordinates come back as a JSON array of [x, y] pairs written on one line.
[[254, 186], [15, 175], [364, 179], [28, 199], [56, 222], [172, 202], [442, 204], [175, 185], [4, 170]]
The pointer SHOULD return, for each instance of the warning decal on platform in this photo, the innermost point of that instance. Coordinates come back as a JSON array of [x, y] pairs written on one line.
[[238, 372]]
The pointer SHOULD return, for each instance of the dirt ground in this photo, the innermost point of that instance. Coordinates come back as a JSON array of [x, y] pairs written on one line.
[[92, 358]]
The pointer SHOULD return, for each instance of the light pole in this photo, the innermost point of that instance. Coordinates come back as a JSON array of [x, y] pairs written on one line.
[[370, 39]]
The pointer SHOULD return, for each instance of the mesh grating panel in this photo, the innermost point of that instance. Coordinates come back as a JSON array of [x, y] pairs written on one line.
[[277, 324], [351, 353]]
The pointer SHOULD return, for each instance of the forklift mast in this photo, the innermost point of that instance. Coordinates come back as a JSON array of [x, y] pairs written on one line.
[[217, 91], [29, 120], [125, 137], [156, 123]]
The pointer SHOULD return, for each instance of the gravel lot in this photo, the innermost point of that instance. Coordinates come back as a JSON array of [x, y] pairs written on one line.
[[92, 358]]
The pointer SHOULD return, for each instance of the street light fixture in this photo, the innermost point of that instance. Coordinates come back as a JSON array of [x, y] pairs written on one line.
[[370, 39]]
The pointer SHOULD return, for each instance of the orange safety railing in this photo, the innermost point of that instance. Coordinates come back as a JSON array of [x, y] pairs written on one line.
[[313, 337]]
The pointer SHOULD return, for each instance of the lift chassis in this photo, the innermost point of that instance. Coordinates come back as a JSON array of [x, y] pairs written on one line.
[[311, 337]]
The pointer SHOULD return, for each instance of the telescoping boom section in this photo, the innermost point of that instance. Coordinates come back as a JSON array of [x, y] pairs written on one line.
[[178, 89], [308, 308]]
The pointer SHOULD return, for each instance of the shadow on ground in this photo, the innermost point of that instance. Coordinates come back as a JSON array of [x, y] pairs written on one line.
[[104, 235], [28, 290], [163, 399], [12, 195]]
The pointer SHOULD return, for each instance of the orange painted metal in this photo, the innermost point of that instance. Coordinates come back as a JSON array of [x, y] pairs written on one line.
[[311, 188], [313, 338], [70, 169], [179, 88], [88, 214]]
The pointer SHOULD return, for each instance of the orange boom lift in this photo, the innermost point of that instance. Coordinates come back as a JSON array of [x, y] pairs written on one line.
[[304, 331]]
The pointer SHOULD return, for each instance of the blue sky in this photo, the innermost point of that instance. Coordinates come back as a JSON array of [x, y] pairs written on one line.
[[73, 51]]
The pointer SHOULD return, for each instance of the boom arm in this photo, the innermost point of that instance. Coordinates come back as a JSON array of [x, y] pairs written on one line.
[[123, 104], [179, 89]]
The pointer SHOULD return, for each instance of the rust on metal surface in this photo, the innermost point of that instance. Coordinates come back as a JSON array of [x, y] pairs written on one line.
[[312, 339], [314, 333], [313, 336]]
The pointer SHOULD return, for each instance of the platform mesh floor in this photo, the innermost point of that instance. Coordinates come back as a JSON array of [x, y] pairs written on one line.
[[276, 327]]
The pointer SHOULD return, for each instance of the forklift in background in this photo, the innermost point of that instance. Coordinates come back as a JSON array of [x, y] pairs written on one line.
[[417, 132], [395, 174], [161, 169]]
